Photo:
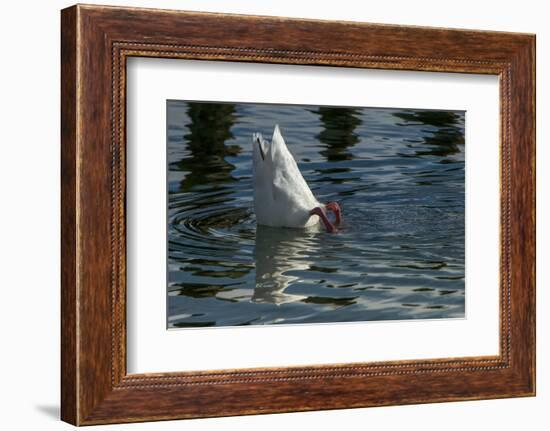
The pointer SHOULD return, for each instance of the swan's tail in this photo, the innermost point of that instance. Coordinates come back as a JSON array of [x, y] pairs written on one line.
[[260, 146]]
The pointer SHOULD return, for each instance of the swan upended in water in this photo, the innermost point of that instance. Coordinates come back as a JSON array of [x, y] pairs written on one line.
[[282, 197]]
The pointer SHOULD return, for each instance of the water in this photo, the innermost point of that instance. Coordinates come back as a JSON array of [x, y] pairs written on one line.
[[398, 175]]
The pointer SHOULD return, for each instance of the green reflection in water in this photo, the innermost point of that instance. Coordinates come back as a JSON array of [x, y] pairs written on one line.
[[209, 131], [338, 133], [448, 133]]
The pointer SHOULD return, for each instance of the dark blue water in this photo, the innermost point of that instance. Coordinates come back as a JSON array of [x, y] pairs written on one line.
[[398, 175]]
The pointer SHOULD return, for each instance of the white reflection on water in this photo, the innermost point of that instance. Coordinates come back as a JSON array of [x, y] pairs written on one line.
[[277, 253]]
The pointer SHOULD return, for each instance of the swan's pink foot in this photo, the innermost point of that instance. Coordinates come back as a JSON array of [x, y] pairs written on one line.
[[335, 208], [323, 216]]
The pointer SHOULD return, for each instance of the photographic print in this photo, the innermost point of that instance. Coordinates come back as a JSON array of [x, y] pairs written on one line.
[[293, 214], [310, 251]]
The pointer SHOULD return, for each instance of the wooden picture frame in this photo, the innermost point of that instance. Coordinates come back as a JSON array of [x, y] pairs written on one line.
[[95, 43]]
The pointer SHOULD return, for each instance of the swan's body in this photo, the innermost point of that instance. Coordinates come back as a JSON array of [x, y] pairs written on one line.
[[281, 195]]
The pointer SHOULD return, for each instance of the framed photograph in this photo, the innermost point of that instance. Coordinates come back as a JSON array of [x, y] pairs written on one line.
[[264, 214]]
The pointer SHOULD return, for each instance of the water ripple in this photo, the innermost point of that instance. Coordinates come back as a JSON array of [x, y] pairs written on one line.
[[398, 175]]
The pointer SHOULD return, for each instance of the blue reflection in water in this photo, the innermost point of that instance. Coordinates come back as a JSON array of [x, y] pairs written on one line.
[[398, 175]]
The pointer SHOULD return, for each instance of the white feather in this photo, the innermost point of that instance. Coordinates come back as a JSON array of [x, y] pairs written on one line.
[[281, 195]]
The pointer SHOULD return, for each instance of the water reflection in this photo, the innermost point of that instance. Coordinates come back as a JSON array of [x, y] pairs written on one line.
[[207, 141], [338, 133], [446, 135], [277, 253]]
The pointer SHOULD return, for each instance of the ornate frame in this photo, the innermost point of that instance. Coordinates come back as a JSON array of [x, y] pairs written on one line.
[[95, 43]]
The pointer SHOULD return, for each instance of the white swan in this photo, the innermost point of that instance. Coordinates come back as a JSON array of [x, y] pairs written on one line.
[[282, 197]]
